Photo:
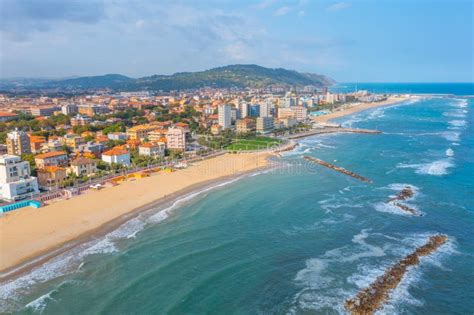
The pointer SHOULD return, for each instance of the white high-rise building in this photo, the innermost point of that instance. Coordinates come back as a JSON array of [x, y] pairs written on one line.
[[243, 109], [224, 116], [15, 180], [266, 108]]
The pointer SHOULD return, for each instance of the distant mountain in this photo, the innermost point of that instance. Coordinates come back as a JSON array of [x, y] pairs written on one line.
[[241, 76]]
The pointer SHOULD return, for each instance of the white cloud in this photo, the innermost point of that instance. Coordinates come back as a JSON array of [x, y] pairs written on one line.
[[282, 11], [338, 6]]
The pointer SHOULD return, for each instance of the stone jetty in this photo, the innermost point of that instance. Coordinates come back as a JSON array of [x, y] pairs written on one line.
[[337, 168], [372, 298]]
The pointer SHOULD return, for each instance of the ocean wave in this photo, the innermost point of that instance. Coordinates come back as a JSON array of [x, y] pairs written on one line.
[[400, 297], [451, 135], [457, 123], [456, 113], [435, 168], [71, 260], [165, 213], [460, 102], [449, 152], [321, 284], [399, 186], [39, 305], [393, 209]]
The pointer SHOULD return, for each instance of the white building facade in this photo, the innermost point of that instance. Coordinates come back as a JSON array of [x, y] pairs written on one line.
[[15, 180], [225, 120]]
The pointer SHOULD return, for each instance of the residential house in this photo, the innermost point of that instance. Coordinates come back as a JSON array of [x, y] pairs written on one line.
[[152, 149], [55, 158], [51, 176], [83, 166], [117, 156]]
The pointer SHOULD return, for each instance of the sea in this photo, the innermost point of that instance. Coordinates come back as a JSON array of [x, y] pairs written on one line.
[[296, 239]]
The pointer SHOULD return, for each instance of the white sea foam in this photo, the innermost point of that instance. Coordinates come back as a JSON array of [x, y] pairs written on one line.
[[39, 305], [457, 123], [435, 168], [165, 213], [400, 186], [390, 207], [401, 296], [321, 292], [460, 102], [71, 260], [451, 135], [449, 152]]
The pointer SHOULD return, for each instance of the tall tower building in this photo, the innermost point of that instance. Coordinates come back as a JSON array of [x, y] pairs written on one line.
[[18, 143], [224, 116], [243, 109]]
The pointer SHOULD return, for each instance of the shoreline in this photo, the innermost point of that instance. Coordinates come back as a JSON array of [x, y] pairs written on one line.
[[24, 260], [392, 100]]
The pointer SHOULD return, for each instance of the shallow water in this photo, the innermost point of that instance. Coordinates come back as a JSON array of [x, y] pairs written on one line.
[[293, 241]]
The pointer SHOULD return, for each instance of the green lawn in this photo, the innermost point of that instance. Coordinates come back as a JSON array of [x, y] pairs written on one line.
[[253, 144]]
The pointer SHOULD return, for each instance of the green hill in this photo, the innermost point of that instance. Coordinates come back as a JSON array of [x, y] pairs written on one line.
[[240, 76]]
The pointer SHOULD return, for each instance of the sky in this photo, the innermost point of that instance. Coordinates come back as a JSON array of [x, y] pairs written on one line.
[[350, 41]]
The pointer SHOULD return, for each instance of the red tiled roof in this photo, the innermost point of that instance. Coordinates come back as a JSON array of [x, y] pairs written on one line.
[[50, 154], [115, 151]]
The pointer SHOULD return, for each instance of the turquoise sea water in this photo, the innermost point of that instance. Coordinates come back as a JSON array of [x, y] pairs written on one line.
[[411, 88], [299, 240]]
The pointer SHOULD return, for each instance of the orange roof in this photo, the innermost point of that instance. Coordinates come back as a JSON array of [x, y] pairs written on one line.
[[181, 124], [115, 151], [147, 145], [50, 154], [8, 115], [37, 139], [51, 169]]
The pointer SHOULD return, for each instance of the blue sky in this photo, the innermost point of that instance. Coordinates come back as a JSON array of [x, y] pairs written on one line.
[[364, 41]]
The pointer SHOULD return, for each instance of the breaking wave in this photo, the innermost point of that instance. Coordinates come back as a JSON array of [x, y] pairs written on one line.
[[435, 168]]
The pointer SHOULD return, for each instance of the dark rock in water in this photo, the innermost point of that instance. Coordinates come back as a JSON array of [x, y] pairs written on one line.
[[404, 194]]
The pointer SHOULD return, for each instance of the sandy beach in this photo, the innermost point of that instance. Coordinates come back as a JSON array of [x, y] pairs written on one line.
[[358, 108], [28, 233]]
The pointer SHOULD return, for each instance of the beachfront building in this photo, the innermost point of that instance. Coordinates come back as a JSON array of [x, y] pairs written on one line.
[[264, 124], [55, 158], [83, 166], [18, 143], [51, 176], [301, 113], [15, 180], [117, 156], [285, 112], [153, 150], [140, 132], [245, 125], [224, 116], [288, 122], [176, 139]]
